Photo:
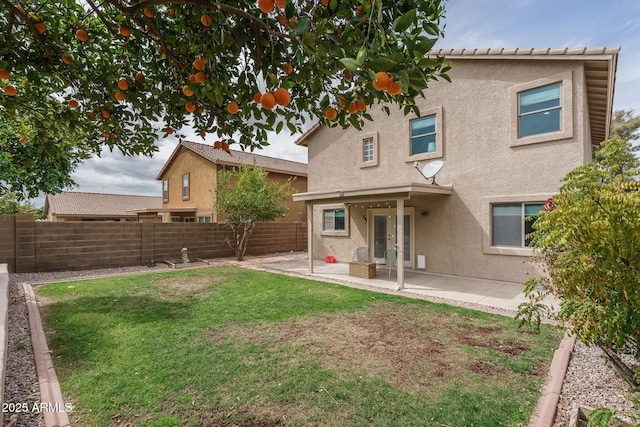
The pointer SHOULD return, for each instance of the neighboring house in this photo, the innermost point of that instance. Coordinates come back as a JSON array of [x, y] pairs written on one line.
[[190, 175], [79, 206], [508, 127]]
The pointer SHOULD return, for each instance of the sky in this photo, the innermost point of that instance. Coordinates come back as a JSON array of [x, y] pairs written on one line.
[[468, 24]]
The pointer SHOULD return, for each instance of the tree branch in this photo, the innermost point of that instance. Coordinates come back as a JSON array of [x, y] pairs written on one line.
[[215, 6]]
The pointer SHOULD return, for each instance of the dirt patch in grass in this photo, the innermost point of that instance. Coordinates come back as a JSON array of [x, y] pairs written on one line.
[[188, 287], [401, 344]]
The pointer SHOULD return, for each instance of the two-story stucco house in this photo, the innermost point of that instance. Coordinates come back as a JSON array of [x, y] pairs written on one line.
[[508, 127], [190, 175]]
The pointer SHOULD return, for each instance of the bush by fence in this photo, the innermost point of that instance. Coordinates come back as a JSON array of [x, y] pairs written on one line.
[[33, 246]]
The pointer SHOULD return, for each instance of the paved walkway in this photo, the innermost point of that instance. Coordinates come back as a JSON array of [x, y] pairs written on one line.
[[488, 293]]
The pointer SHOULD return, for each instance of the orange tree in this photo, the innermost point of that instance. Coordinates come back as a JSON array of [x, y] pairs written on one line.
[[129, 72]]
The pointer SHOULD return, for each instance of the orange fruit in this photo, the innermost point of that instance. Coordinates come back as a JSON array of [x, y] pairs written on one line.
[[91, 116], [353, 108], [4, 74], [148, 12], [200, 109], [200, 77], [325, 3], [123, 84], [256, 97], [192, 78], [348, 77], [187, 91], [381, 81], [199, 64], [82, 35], [282, 96], [224, 146], [280, 3], [393, 88], [203, 134], [342, 102], [120, 96], [172, 12], [105, 114], [331, 113], [139, 77], [232, 107], [73, 104], [190, 107], [22, 141], [282, 19], [67, 59], [361, 105], [125, 31], [168, 131], [10, 90], [217, 145], [268, 101], [266, 5], [20, 9], [40, 27], [105, 133], [287, 68], [206, 20]]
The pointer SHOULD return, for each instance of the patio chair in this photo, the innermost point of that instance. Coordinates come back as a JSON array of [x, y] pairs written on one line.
[[390, 259], [362, 255]]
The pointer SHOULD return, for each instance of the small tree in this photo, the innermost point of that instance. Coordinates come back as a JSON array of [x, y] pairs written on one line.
[[588, 239], [245, 196], [11, 203]]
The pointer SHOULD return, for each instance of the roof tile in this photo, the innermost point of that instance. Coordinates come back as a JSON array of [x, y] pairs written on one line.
[[98, 204]]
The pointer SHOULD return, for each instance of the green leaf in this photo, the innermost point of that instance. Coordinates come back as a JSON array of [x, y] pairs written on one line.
[[403, 22], [362, 56], [350, 63], [383, 64], [303, 26]]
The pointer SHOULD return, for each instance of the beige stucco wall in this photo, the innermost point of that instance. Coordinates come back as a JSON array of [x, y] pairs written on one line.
[[484, 163], [202, 181]]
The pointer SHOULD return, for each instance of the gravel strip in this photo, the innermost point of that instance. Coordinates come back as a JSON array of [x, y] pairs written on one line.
[[590, 380], [21, 383]]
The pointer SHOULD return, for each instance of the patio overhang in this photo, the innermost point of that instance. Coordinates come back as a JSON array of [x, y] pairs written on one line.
[[372, 194], [396, 194]]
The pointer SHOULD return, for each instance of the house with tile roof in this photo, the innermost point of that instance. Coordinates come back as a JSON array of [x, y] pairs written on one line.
[[503, 133], [81, 206], [190, 175]]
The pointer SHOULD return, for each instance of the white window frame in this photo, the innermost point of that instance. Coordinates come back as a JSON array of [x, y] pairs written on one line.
[[202, 219], [487, 216], [374, 158], [347, 219], [165, 190], [439, 152], [566, 110], [186, 189]]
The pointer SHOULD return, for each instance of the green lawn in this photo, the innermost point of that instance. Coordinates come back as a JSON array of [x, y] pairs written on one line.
[[229, 346]]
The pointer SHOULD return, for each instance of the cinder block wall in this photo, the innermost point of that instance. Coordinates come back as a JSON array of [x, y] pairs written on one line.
[[28, 246]]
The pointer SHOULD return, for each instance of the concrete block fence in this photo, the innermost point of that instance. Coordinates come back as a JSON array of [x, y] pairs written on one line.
[[36, 246]]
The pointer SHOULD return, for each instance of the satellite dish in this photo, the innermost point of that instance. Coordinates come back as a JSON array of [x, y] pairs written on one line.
[[431, 169]]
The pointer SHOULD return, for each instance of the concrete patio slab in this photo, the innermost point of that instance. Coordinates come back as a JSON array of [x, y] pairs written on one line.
[[489, 293]]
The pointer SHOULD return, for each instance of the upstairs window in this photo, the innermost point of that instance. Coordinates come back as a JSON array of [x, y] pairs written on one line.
[[165, 190], [539, 110], [423, 135], [185, 186], [368, 150]]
